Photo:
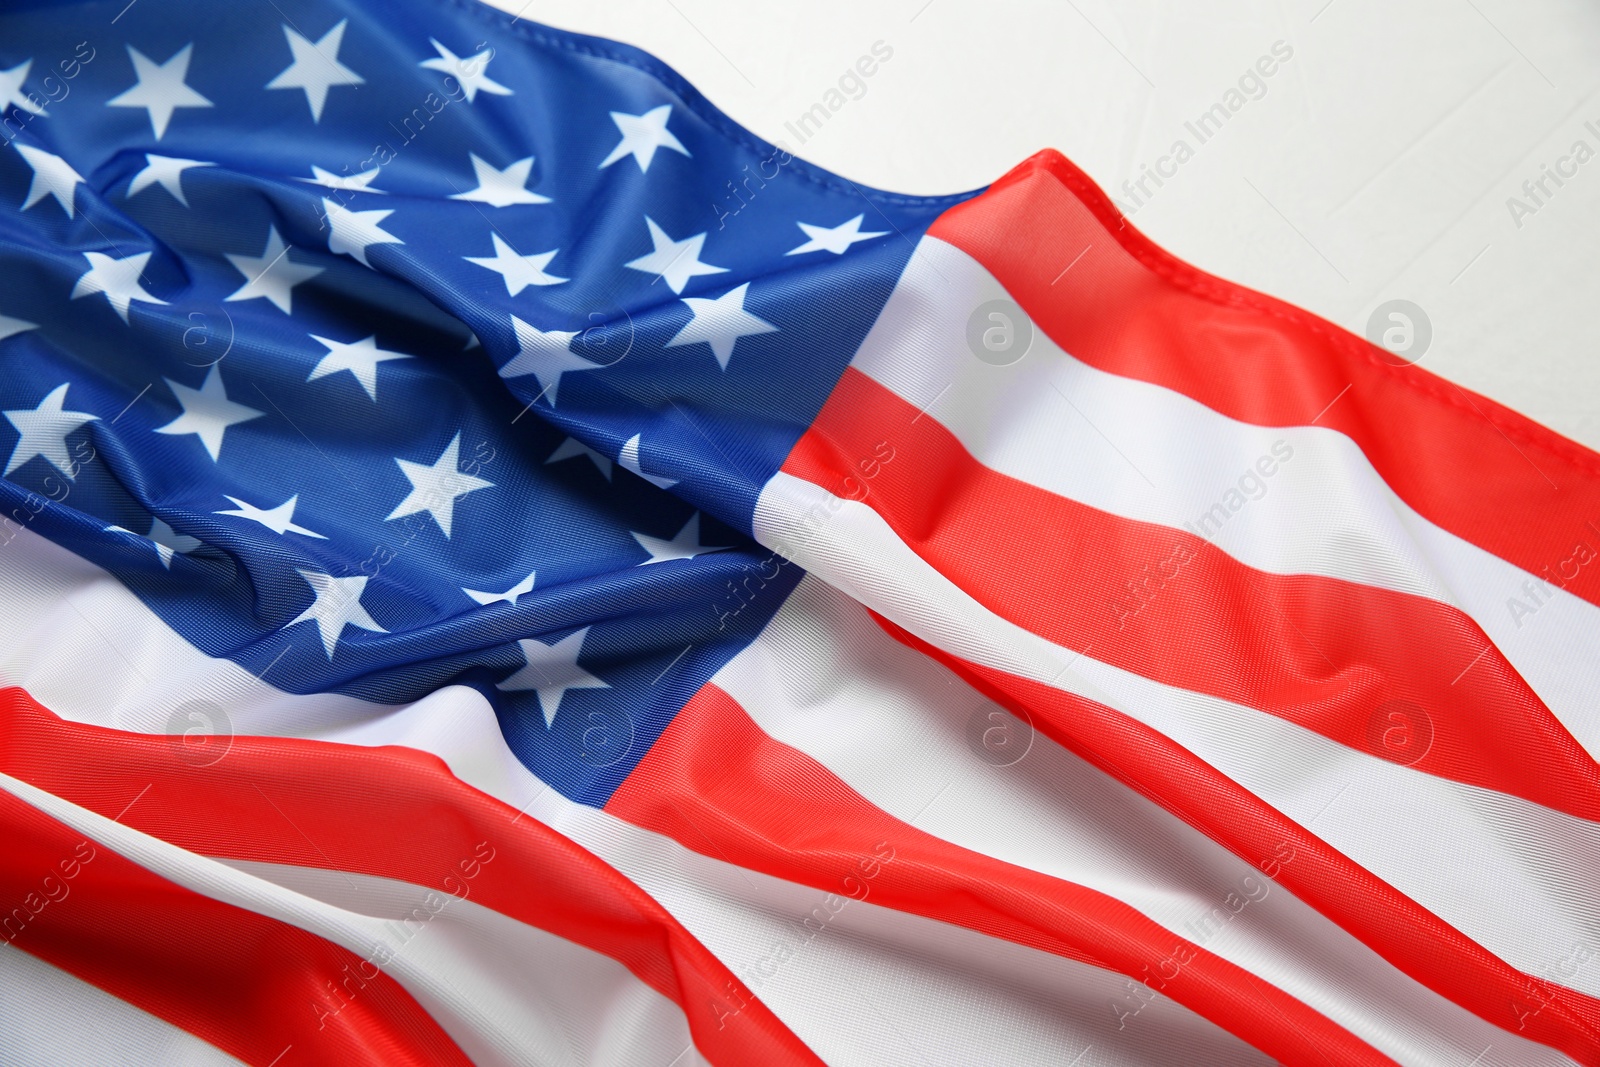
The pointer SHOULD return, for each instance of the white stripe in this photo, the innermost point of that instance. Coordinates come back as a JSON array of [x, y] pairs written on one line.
[[83, 645], [1533, 912], [469, 967], [880, 988], [557, 1001], [1513, 875], [949, 991], [1524, 913], [1148, 453], [51, 1017], [893, 724], [932, 986]]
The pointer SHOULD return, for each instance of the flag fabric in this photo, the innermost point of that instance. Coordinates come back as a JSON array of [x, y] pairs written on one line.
[[501, 565]]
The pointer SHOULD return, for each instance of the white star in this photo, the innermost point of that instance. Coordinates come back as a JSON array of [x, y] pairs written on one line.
[[11, 94], [434, 488], [720, 323], [471, 71], [280, 520], [160, 89], [316, 68], [52, 176], [571, 448], [502, 188], [686, 545], [43, 431], [361, 359], [207, 411], [676, 261], [338, 604], [167, 172], [547, 355], [642, 135], [551, 670], [117, 279], [271, 275], [163, 538], [519, 272], [10, 327], [508, 597], [628, 459], [361, 183], [835, 240], [353, 232]]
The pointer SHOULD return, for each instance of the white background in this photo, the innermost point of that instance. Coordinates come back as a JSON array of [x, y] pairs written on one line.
[[1377, 164]]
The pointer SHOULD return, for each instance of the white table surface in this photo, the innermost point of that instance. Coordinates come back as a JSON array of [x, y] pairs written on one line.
[[1376, 163]]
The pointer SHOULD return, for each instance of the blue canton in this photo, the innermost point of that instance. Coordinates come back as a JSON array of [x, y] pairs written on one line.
[[382, 346]]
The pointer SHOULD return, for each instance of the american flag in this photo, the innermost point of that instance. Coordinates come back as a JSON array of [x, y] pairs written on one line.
[[502, 565]]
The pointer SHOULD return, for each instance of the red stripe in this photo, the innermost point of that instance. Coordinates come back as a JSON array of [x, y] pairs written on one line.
[[396, 813], [1411, 938], [1466, 463], [248, 984], [1320, 652], [719, 785]]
